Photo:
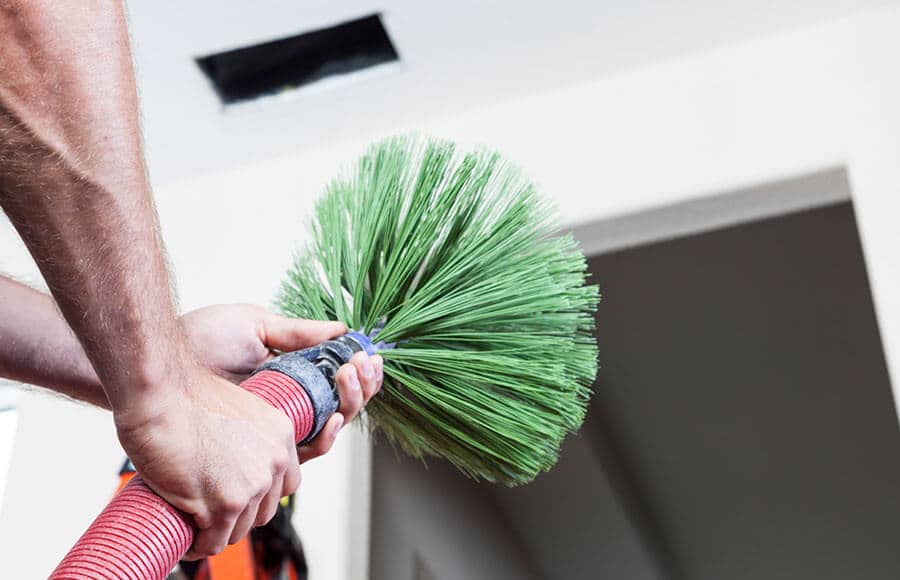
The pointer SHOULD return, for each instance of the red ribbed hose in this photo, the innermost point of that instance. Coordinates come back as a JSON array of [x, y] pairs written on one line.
[[139, 536]]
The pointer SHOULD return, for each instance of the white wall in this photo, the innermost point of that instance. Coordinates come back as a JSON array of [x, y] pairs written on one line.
[[574, 522], [446, 522], [809, 99]]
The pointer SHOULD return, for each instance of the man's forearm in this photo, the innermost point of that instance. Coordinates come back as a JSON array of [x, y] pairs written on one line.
[[72, 181], [39, 347]]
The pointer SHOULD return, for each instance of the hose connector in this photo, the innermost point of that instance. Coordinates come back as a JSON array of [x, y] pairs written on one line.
[[314, 369]]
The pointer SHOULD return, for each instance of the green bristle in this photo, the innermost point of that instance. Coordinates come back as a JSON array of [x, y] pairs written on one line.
[[489, 308]]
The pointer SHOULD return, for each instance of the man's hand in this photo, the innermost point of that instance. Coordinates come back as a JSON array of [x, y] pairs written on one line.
[[233, 340], [234, 455], [215, 452]]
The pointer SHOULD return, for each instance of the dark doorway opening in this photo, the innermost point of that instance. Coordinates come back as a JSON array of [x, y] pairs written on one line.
[[742, 427]]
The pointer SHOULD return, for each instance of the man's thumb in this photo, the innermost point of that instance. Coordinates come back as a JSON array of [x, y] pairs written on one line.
[[287, 334]]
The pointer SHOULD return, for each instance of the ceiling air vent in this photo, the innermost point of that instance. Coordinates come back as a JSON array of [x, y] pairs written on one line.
[[243, 74]]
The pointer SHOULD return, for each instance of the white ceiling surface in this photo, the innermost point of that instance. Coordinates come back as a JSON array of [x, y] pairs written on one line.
[[455, 56]]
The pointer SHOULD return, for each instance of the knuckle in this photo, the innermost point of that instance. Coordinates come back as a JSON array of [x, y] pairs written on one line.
[[203, 520], [206, 545], [232, 508], [292, 485], [281, 460], [259, 485], [231, 503], [343, 374]]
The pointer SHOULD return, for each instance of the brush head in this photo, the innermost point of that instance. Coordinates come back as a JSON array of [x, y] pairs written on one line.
[[455, 260]]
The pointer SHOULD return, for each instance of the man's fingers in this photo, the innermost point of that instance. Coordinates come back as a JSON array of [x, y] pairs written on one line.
[[291, 477], [369, 371], [356, 382], [323, 441], [246, 520], [350, 394], [212, 540], [378, 362], [269, 505], [287, 334]]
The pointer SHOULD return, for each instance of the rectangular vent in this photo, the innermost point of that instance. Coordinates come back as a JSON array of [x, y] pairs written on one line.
[[288, 63]]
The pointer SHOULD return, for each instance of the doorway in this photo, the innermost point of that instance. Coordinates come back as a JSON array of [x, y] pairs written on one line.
[[742, 425]]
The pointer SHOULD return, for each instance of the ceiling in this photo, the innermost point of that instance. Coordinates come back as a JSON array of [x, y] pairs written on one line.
[[454, 56]]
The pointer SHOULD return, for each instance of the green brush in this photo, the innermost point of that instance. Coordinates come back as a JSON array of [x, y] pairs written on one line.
[[455, 260]]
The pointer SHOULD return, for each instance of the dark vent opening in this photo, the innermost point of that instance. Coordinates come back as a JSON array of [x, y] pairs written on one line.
[[288, 63]]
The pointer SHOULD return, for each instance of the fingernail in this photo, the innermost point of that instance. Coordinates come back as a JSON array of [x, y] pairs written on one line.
[[340, 422], [354, 380], [379, 363], [367, 370]]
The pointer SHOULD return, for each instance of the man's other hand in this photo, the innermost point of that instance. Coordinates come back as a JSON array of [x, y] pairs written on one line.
[[234, 339]]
